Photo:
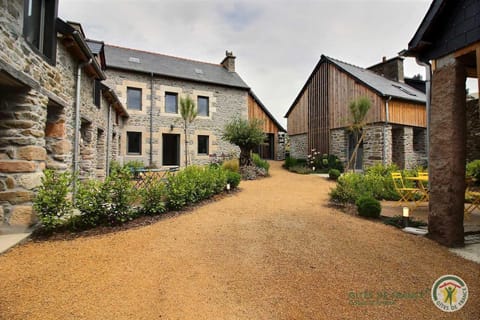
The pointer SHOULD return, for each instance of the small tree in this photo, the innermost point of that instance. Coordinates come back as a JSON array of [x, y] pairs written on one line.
[[358, 112], [247, 135], [189, 112]]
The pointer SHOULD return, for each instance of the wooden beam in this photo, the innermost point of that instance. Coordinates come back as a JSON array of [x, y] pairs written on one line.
[[478, 68], [471, 72], [468, 49]]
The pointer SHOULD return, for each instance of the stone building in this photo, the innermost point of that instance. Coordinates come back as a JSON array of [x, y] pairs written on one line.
[[46, 71], [395, 130], [151, 85], [448, 42]]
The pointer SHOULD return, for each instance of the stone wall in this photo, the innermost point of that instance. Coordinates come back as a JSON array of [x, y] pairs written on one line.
[[373, 145], [225, 104], [299, 146], [473, 130], [339, 144], [36, 123], [409, 146], [280, 141]]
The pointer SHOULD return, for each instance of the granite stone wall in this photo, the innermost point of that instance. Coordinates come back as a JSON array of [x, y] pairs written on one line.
[[299, 146], [224, 104]]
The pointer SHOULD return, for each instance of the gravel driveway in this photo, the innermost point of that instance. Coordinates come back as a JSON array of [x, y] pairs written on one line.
[[275, 250]]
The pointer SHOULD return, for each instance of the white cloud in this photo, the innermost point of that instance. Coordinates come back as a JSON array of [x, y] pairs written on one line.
[[277, 43]]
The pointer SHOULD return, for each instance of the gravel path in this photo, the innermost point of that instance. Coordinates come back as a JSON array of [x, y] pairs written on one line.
[[275, 250]]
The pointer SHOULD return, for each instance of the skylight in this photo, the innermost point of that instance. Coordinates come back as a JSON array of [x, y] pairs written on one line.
[[134, 60], [199, 71]]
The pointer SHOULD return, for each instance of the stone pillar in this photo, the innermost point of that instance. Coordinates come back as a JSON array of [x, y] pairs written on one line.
[[447, 153], [409, 154], [299, 146], [22, 154]]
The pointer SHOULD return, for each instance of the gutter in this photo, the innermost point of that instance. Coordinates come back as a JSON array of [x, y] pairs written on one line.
[[387, 116], [76, 136], [428, 94], [109, 134], [86, 51], [151, 119]]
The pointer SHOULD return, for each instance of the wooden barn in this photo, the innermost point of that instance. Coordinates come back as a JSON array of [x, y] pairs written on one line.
[[274, 146], [396, 122]]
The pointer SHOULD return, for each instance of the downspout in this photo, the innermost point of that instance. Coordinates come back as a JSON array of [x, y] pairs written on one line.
[[109, 136], [428, 93], [76, 135], [387, 116], [151, 119]]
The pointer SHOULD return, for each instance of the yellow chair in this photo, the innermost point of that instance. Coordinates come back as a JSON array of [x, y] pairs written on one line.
[[473, 196], [423, 185], [407, 195]]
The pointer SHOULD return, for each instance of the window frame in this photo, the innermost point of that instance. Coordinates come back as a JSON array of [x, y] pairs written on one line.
[[207, 99], [207, 146], [134, 89], [173, 94], [39, 28], [139, 133]]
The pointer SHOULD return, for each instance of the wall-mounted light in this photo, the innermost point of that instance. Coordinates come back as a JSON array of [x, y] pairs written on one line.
[[171, 127]]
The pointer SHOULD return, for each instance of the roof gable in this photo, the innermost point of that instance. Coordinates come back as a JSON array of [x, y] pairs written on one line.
[[380, 85], [174, 67]]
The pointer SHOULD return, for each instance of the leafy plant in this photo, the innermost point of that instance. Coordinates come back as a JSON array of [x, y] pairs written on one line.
[[188, 112], [368, 206], [259, 162], [333, 174], [233, 178], [52, 204], [153, 197], [473, 170], [289, 162], [247, 135], [398, 221], [358, 113], [301, 169], [232, 165]]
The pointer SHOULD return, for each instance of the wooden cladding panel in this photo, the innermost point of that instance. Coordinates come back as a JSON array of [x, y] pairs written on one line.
[[256, 112], [407, 113], [297, 119], [318, 122], [344, 89]]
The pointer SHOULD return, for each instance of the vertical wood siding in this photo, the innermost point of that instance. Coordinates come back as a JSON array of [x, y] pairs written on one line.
[[407, 113], [297, 119], [256, 112], [318, 120]]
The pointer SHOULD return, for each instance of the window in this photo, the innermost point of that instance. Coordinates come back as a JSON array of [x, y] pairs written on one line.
[[134, 142], [171, 102], [39, 26], [134, 98], [202, 145], [202, 105], [97, 91]]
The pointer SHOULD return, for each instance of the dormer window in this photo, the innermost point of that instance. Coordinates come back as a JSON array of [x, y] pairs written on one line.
[[39, 26]]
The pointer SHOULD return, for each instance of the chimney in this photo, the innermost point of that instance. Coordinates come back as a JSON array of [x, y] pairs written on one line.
[[229, 61], [391, 69]]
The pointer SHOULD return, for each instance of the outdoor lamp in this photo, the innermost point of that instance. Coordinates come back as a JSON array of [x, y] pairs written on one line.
[[313, 168], [406, 214], [228, 186], [171, 127]]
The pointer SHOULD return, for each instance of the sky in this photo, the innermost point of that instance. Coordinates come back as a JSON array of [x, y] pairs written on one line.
[[277, 42]]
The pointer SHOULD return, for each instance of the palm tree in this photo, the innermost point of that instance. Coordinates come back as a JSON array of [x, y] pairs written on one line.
[[189, 112], [358, 112]]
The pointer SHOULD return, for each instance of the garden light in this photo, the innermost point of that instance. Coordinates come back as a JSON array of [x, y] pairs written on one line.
[[406, 214], [228, 186]]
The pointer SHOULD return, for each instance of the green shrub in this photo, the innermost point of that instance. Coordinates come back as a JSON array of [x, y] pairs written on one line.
[[134, 165], [289, 162], [333, 174], [368, 206], [301, 169], [232, 165], [153, 197], [233, 178], [259, 162], [194, 184], [473, 170], [51, 203], [109, 202]]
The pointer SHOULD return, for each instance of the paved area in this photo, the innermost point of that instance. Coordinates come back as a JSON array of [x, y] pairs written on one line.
[[275, 250]]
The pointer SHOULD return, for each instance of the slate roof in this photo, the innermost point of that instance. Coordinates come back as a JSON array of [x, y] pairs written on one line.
[[147, 62], [95, 46], [381, 85]]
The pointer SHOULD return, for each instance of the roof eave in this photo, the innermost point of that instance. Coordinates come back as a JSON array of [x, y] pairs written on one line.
[[262, 106]]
